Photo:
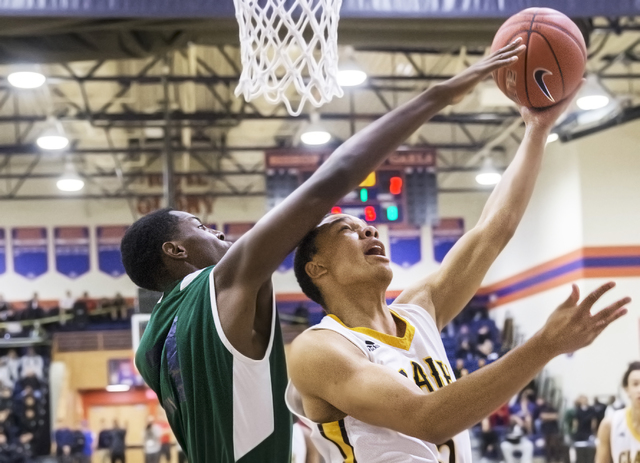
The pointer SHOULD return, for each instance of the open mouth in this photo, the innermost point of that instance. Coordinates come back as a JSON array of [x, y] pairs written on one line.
[[376, 250]]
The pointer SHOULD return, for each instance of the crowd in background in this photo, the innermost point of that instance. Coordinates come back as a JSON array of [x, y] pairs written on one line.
[[24, 407], [70, 313]]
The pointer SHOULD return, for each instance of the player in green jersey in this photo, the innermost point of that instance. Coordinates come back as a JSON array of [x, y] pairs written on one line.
[[212, 350]]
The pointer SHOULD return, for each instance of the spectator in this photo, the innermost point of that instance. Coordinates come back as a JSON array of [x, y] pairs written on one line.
[[89, 442], [584, 422], [152, 444], [63, 437], [32, 364], [599, 409], [516, 447], [488, 441], [500, 417], [33, 310], [104, 443], [615, 403], [77, 448], [66, 307], [485, 349], [481, 362], [550, 429], [5, 310], [464, 351], [6, 401], [457, 371], [120, 307], [522, 411], [80, 312], [14, 364], [165, 438], [5, 373], [117, 446], [484, 333]]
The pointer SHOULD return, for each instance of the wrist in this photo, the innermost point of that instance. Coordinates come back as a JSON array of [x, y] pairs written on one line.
[[545, 344], [441, 93], [534, 130]]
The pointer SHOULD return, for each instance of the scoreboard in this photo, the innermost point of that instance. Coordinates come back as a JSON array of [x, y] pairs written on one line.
[[403, 190]]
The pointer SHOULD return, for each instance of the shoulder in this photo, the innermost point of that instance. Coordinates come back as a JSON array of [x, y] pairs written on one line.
[[604, 431], [320, 351]]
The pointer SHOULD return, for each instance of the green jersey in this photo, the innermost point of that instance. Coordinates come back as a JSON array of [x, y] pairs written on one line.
[[222, 406]]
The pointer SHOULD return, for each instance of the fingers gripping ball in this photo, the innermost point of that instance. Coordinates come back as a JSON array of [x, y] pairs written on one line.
[[552, 65]]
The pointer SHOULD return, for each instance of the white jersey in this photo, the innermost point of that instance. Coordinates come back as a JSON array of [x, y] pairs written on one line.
[[420, 356], [625, 441]]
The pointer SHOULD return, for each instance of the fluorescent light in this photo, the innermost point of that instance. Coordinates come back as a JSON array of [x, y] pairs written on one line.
[[315, 137], [118, 388], [488, 174], [70, 184], [351, 77], [52, 142], [488, 178], [26, 79], [590, 102], [553, 136]]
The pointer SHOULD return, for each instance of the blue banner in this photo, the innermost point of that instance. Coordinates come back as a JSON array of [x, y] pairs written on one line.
[[445, 235], [3, 251], [109, 258], [405, 246], [71, 247], [30, 251]]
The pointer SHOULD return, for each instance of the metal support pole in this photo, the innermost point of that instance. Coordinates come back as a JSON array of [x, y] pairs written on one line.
[[168, 167]]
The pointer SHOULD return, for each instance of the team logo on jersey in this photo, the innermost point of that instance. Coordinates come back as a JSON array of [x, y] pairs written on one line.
[[371, 345], [538, 75]]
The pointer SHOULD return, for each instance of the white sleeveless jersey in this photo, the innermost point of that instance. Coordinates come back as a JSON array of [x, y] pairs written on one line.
[[421, 357], [625, 441]]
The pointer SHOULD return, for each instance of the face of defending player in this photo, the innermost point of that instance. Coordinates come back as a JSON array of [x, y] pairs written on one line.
[[349, 253], [633, 388], [203, 246]]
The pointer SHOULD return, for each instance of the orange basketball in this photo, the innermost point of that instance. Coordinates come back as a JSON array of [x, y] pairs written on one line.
[[552, 65]]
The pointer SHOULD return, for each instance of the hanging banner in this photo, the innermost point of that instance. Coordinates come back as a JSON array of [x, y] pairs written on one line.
[[405, 246], [71, 247], [445, 235], [109, 258], [30, 251], [3, 251]]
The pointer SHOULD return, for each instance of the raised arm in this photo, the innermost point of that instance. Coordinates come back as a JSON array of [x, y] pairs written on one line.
[[251, 261], [447, 291], [258, 254], [325, 366]]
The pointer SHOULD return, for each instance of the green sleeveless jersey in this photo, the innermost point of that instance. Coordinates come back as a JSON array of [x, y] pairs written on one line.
[[223, 407]]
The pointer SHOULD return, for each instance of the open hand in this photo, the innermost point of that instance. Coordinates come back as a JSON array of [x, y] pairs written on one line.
[[571, 326], [457, 87], [546, 118]]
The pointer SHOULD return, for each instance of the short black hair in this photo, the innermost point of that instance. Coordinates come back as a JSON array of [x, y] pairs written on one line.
[[633, 366], [141, 248], [304, 254]]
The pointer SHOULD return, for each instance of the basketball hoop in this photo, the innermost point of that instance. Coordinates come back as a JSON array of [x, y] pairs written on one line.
[[276, 55]]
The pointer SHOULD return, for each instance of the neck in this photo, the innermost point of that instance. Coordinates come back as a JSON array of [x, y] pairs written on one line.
[[361, 306], [635, 416]]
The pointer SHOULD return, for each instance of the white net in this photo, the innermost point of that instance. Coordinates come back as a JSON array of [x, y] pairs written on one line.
[[278, 53]]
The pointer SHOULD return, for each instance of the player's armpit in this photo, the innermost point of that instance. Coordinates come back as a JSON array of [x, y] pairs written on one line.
[[603, 448]]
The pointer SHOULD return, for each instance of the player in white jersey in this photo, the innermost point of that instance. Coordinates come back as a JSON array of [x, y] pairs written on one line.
[[373, 380], [619, 434]]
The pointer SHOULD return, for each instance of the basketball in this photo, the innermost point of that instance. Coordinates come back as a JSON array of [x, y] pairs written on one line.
[[553, 64]]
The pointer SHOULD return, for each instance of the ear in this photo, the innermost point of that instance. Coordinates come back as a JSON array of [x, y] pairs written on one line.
[[174, 250], [315, 270]]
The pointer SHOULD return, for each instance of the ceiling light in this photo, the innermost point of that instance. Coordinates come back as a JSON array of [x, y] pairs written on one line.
[[52, 142], [488, 174], [590, 102], [315, 134], [553, 136], [349, 73], [70, 181], [26, 79], [351, 77], [118, 388]]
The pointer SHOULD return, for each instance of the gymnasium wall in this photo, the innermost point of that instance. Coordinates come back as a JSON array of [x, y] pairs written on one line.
[[583, 226]]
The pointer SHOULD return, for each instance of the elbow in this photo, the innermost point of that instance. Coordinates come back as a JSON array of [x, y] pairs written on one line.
[[433, 434]]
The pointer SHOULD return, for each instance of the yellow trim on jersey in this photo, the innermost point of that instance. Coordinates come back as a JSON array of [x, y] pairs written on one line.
[[336, 433], [634, 432], [393, 341]]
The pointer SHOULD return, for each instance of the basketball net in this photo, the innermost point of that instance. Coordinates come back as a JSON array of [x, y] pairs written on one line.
[[276, 55]]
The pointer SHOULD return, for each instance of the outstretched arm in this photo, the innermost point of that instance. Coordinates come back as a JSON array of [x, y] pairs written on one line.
[[325, 366], [446, 292], [252, 260]]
